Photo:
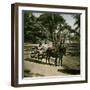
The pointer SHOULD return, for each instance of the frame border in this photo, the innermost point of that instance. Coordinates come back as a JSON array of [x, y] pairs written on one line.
[[14, 43]]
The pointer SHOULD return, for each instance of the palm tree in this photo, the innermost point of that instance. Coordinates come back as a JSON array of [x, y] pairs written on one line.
[[51, 21], [29, 20], [33, 30], [77, 22], [77, 28]]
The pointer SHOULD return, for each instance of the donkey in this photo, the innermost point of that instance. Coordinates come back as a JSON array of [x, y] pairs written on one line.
[[56, 52]]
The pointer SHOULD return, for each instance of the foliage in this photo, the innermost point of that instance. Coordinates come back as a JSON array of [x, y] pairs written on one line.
[[50, 21], [32, 30], [49, 26], [77, 28]]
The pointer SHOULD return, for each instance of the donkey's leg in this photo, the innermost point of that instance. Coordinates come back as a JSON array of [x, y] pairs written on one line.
[[61, 59], [46, 59], [41, 57], [38, 56], [56, 61], [49, 59]]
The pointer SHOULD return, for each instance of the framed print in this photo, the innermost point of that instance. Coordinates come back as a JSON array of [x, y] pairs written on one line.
[[48, 44]]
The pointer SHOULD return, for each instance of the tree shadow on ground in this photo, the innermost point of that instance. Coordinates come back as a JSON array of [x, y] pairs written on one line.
[[69, 71], [28, 73], [38, 61]]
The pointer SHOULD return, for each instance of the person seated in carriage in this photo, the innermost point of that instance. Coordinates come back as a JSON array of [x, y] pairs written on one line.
[[40, 51]]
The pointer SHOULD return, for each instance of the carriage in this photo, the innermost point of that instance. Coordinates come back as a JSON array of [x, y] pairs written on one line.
[[45, 52]]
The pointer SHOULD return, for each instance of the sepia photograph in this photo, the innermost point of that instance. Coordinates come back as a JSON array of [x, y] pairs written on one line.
[[49, 44]]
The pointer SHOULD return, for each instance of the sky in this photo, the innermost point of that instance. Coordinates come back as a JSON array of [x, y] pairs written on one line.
[[69, 19]]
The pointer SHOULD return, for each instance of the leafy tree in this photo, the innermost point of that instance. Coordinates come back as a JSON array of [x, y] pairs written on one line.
[[50, 21], [77, 28], [77, 22], [33, 31], [49, 26]]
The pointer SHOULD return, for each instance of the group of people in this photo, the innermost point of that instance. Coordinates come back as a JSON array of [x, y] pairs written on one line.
[[57, 52]]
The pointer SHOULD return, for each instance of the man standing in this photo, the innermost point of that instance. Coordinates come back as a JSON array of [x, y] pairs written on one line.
[[61, 52]]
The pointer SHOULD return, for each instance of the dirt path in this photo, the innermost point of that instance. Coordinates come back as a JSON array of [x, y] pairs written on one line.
[[34, 67], [42, 69]]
